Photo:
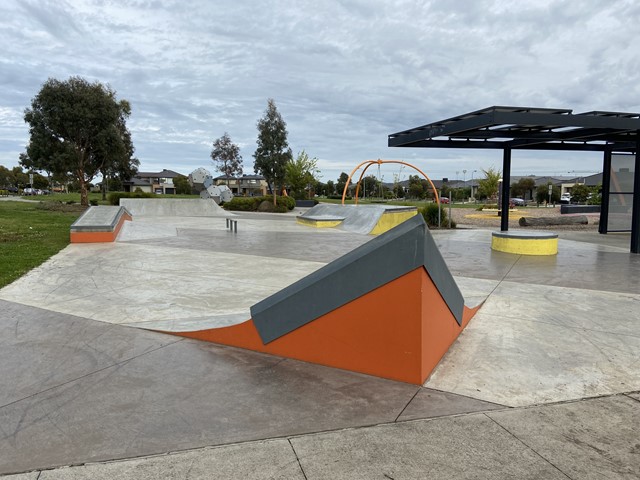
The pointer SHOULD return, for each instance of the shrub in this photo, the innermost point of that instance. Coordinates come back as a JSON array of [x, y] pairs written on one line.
[[114, 197], [243, 204], [288, 202], [252, 204], [430, 214], [338, 197], [93, 202], [269, 207]]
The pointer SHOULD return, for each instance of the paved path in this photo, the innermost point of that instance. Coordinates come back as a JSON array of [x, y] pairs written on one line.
[[542, 384]]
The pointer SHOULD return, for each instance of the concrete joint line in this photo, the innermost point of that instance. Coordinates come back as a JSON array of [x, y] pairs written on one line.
[[408, 403], [297, 459], [117, 364], [526, 445], [628, 395]]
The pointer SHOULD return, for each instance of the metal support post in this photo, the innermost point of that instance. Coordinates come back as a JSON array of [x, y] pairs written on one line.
[[635, 211], [606, 183], [506, 179]]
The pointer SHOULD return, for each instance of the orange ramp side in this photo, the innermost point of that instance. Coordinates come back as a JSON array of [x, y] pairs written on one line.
[[398, 331]]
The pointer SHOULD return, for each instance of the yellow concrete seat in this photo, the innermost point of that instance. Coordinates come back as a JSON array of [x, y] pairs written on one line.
[[525, 243]]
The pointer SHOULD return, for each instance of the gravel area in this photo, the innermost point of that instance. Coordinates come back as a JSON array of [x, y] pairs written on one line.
[[471, 217]]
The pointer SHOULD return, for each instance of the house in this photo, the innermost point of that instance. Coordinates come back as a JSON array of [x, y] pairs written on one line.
[[244, 186], [153, 182]]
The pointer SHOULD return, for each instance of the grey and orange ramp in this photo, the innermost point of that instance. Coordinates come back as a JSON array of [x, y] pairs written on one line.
[[389, 308]]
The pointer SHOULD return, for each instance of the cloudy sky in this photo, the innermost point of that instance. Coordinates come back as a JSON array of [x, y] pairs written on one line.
[[344, 74]]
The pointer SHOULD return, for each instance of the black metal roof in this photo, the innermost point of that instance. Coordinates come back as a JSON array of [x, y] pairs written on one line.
[[501, 127]]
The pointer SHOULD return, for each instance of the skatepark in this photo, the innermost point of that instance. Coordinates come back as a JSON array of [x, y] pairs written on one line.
[[542, 383]]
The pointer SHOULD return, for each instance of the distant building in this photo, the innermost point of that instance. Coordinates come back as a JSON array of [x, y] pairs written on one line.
[[152, 182], [244, 186]]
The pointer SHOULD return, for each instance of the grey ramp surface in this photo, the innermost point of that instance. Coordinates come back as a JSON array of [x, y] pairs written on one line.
[[187, 394], [172, 207], [41, 349], [376, 263], [357, 218]]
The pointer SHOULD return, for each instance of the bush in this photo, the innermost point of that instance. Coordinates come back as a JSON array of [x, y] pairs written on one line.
[[488, 206], [93, 202], [114, 197], [252, 204], [288, 202], [430, 215], [268, 207], [4, 193], [243, 204], [338, 197]]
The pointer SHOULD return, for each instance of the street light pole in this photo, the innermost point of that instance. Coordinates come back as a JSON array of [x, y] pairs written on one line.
[[472, 194]]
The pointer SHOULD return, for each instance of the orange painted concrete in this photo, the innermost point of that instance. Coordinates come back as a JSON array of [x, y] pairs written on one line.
[[99, 237], [398, 331]]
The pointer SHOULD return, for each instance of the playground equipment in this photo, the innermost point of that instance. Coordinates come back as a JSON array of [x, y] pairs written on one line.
[[202, 181], [379, 162]]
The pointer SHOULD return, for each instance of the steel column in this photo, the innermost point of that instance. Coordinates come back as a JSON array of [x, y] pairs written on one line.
[[606, 182], [506, 180], [635, 212]]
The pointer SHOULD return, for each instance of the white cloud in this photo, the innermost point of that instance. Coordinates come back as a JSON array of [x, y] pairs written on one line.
[[344, 74]]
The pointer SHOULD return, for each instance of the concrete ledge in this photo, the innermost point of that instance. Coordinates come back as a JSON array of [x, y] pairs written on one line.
[[320, 221], [525, 243], [393, 218], [564, 209], [99, 224]]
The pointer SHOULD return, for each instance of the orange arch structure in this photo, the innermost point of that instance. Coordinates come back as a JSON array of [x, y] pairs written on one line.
[[368, 163]]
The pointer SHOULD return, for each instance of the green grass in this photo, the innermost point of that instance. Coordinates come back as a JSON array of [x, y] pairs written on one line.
[[75, 197], [29, 235]]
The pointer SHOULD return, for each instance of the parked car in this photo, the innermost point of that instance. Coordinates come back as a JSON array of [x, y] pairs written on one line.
[[444, 200], [565, 198], [518, 202]]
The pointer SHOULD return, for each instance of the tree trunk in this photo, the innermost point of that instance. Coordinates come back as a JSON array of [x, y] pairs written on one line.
[[84, 197], [546, 221]]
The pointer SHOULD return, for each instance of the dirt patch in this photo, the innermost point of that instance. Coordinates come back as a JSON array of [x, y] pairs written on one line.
[[471, 217]]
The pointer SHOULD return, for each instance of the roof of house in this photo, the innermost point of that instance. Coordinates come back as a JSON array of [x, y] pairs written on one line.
[[163, 174]]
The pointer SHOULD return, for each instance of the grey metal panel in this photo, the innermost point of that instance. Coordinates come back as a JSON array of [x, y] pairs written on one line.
[[441, 276], [360, 271]]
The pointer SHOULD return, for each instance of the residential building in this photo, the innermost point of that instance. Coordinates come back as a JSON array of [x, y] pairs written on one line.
[[153, 182], [244, 186]]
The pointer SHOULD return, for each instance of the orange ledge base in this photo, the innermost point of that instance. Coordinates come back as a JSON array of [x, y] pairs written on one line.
[[99, 237], [398, 331]]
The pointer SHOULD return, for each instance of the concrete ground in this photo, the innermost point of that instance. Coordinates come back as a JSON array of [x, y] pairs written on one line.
[[544, 383]]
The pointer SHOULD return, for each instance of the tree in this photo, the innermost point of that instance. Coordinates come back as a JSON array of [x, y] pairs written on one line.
[[301, 174], [118, 163], [80, 128], [542, 193], [523, 187], [580, 193], [273, 152], [416, 189], [226, 156], [331, 187], [182, 185], [488, 186], [342, 182]]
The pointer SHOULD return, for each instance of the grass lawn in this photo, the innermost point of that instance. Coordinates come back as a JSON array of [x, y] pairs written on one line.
[[75, 197], [30, 234]]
